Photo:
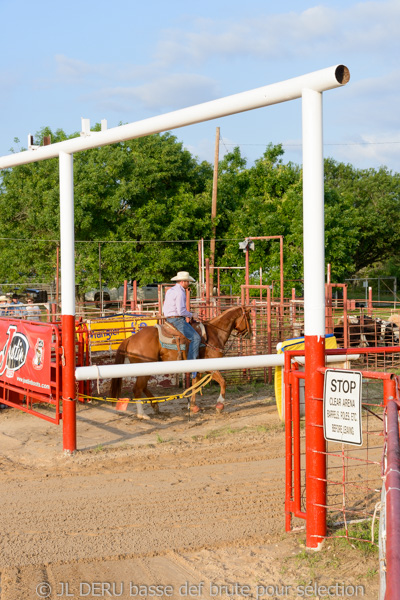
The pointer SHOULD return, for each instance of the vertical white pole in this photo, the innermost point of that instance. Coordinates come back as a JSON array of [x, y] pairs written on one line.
[[68, 300], [314, 317], [67, 234], [313, 214]]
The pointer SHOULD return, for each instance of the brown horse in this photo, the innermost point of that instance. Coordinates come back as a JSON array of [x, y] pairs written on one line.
[[145, 346]]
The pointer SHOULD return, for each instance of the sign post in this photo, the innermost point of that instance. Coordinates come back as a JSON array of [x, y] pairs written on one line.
[[342, 406]]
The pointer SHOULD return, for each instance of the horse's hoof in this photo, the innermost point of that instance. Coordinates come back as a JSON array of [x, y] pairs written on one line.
[[219, 407], [143, 417], [194, 409]]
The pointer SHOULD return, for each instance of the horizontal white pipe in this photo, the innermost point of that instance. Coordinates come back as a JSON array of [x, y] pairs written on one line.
[[332, 358], [178, 366], [187, 366], [322, 80]]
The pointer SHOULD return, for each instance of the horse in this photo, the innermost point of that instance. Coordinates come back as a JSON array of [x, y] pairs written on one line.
[[366, 331], [145, 346]]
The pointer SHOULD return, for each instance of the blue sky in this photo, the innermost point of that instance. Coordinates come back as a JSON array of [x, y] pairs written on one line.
[[127, 60]]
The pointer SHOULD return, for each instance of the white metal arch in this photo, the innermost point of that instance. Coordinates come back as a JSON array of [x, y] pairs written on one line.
[[309, 88]]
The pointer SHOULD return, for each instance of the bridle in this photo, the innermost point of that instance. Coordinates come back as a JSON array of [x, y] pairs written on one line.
[[240, 334], [247, 330]]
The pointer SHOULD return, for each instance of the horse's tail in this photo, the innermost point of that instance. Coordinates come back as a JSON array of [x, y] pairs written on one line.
[[119, 360]]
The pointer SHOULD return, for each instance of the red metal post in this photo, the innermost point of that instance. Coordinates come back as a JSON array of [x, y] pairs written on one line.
[[393, 504], [288, 443], [328, 308], [125, 295], [389, 391], [208, 287], [247, 274], [134, 295], [269, 332], [199, 265], [315, 442], [281, 274], [58, 276], [296, 445], [160, 298], [293, 308], [370, 301], [68, 383], [345, 323], [254, 327]]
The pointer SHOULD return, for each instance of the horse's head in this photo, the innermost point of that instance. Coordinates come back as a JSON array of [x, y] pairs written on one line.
[[242, 323]]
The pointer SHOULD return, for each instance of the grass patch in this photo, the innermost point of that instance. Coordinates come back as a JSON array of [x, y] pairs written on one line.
[[360, 537], [269, 428], [161, 440], [228, 430]]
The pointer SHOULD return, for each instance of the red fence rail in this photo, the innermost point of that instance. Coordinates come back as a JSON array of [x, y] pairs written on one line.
[[392, 484]]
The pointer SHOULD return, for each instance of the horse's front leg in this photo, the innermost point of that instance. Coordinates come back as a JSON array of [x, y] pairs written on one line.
[[221, 400], [193, 406]]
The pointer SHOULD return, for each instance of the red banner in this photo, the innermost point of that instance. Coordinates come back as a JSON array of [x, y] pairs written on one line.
[[25, 354]]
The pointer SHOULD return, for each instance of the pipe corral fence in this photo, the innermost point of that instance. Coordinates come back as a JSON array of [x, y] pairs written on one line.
[[307, 87]]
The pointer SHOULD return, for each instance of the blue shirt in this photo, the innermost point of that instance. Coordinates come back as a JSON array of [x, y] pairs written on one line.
[[175, 302], [16, 309]]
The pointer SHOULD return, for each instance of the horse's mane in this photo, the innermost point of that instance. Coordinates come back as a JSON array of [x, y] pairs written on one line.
[[226, 312]]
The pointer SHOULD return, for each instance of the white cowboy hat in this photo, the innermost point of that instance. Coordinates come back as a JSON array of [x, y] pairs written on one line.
[[3, 299], [183, 276]]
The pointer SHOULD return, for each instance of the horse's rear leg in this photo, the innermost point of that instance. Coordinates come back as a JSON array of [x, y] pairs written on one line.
[[139, 388], [154, 405]]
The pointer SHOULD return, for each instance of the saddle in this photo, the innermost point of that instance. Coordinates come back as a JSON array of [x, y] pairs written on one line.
[[172, 339]]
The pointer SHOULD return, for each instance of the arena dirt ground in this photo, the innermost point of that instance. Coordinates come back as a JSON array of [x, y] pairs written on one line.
[[193, 507]]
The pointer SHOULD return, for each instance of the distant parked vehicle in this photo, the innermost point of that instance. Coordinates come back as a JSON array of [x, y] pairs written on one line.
[[148, 292], [116, 294], [109, 295], [39, 296]]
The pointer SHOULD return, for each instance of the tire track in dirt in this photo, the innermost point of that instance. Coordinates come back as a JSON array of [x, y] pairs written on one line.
[[140, 513], [166, 501]]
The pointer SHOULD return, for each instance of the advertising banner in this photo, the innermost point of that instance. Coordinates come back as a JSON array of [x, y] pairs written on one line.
[[25, 354], [108, 332]]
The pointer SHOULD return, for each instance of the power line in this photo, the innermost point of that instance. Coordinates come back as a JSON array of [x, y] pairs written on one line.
[[300, 145], [122, 241]]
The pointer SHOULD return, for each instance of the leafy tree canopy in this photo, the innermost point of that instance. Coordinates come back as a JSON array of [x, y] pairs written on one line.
[[152, 189]]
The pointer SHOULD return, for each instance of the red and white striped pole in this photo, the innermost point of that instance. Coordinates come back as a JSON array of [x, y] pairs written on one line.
[[67, 238], [314, 314]]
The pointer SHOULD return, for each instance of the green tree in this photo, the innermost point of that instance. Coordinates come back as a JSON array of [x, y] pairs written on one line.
[[270, 204], [139, 191], [369, 201], [151, 189]]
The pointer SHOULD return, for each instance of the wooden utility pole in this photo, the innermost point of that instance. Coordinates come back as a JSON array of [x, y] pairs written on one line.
[[214, 211]]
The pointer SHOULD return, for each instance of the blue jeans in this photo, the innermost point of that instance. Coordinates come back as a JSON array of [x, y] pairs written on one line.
[[190, 333]]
